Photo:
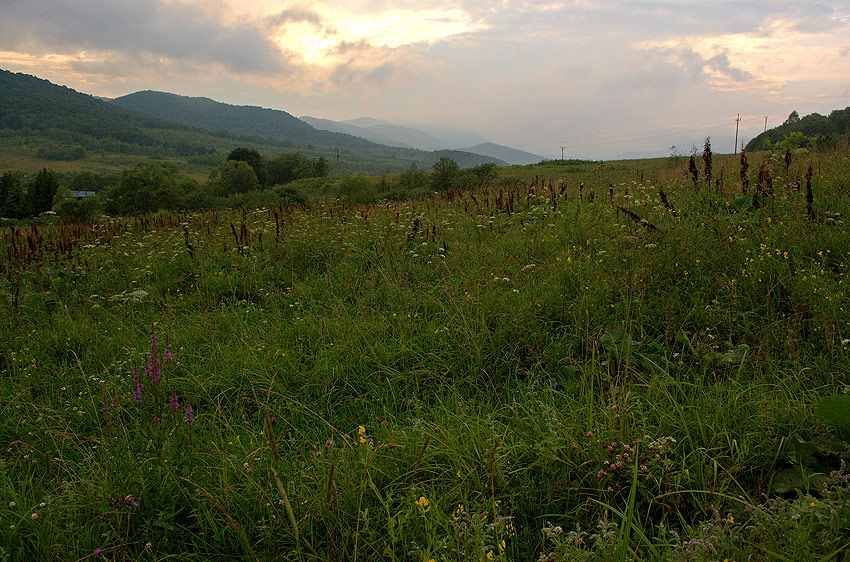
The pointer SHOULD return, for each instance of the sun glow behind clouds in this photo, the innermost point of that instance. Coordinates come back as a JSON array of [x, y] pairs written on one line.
[[764, 59], [393, 28]]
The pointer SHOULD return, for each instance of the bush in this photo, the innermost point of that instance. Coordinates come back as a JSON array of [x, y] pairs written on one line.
[[233, 176], [81, 210], [356, 189], [290, 196]]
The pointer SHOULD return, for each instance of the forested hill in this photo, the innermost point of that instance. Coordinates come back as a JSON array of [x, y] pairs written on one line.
[[216, 116], [34, 107], [68, 124], [811, 130], [275, 124]]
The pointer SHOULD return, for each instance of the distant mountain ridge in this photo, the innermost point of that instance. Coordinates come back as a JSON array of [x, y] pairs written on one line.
[[424, 137], [506, 153], [274, 124], [354, 130]]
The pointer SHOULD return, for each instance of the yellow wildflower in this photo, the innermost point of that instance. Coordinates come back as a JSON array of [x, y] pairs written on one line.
[[424, 504]]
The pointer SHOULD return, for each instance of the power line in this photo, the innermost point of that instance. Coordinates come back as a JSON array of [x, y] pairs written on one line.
[[692, 127], [648, 138]]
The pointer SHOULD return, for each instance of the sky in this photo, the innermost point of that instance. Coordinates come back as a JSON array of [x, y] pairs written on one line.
[[602, 78]]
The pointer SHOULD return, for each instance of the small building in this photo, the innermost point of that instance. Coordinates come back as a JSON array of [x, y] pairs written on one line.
[[82, 194]]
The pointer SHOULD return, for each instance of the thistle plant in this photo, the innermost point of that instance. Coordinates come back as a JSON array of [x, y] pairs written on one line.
[[745, 166], [694, 173]]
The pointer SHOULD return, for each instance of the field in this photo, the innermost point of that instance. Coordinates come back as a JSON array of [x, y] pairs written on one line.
[[576, 362]]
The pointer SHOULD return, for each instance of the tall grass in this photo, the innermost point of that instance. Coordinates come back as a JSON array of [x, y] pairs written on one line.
[[469, 376]]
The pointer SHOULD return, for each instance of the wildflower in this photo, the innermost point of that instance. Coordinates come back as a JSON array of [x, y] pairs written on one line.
[[175, 404], [189, 418], [424, 504], [137, 391], [458, 512], [97, 552], [34, 516]]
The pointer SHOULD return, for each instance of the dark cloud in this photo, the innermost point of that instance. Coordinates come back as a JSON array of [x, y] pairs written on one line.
[[720, 63], [366, 70], [291, 15], [711, 69], [167, 30]]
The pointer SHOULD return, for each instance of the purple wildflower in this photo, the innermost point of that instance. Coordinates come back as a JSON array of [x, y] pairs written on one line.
[[175, 405], [112, 404], [189, 418], [137, 391]]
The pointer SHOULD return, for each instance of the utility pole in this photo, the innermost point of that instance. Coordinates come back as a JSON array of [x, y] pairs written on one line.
[[765, 123], [562, 152], [738, 120]]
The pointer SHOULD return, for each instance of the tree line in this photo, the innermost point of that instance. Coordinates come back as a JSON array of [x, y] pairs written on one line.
[[245, 178]]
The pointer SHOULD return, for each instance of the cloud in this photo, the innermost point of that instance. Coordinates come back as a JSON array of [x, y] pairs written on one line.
[[716, 70], [177, 31], [296, 14], [365, 71], [541, 72]]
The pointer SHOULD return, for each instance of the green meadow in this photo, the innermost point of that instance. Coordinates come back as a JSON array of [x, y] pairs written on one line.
[[572, 362]]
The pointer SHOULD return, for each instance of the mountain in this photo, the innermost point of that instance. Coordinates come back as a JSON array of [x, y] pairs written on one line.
[[64, 119], [365, 122], [354, 130], [239, 119], [280, 126], [58, 123], [452, 138], [506, 153], [815, 127], [408, 136], [383, 132], [423, 136]]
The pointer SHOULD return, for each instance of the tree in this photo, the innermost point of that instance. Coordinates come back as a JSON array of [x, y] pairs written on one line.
[[146, 188], [446, 172], [11, 196], [87, 181], [793, 118], [321, 168], [41, 192], [355, 189], [486, 173], [6, 183], [793, 140], [253, 159], [233, 177]]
